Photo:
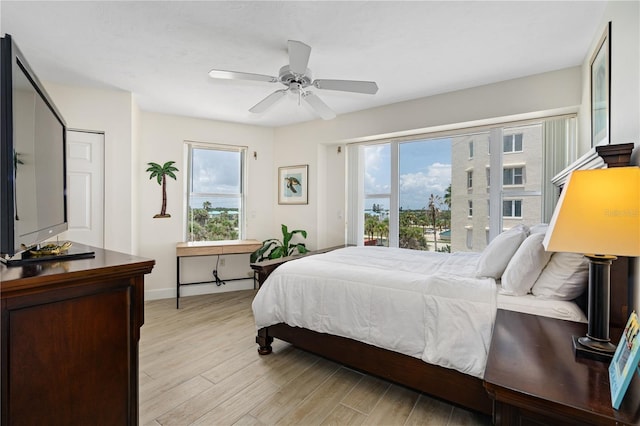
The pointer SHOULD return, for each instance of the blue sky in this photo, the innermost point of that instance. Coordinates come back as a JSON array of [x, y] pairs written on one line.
[[218, 172], [425, 168]]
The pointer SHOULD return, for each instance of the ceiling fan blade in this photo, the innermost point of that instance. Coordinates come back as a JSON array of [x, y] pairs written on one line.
[[367, 87], [298, 56], [267, 102], [236, 75], [319, 106]]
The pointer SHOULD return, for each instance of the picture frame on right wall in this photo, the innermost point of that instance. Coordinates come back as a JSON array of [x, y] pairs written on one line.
[[600, 66]]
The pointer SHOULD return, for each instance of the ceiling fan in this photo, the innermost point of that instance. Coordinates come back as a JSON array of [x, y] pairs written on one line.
[[297, 79]]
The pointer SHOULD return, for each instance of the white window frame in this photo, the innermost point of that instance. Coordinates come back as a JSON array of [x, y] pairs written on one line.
[[513, 175], [189, 147], [512, 143], [513, 209]]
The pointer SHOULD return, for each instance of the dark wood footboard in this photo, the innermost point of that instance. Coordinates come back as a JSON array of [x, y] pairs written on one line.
[[412, 372]]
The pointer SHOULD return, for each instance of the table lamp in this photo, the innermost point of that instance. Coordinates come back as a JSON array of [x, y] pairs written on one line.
[[598, 215]]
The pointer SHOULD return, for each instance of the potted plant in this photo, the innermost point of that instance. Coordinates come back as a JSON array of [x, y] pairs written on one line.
[[274, 248]]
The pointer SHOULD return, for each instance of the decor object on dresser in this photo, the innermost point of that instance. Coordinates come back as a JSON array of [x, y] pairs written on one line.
[[293, 185], [160, 173], [275, 249], [600, 89], [598, 214]]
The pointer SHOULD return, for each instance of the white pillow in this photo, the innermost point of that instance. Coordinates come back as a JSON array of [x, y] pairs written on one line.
[[539, 228], [496, 256], [564, 278], [525, 266]]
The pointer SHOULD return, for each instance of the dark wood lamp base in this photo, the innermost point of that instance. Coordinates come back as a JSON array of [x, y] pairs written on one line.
[[596, 344], [586, 347]]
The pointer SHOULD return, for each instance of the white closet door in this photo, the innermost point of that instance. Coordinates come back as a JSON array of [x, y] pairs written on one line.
[[85, 188]]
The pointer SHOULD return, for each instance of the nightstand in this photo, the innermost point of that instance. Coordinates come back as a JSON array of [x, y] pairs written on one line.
[[534, 378]]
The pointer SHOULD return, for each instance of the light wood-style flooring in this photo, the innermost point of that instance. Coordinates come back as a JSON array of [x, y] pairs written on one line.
[[199, 365]]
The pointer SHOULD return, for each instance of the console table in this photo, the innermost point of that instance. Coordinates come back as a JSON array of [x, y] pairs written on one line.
[[69, 346], [211, 248], [534, 378]]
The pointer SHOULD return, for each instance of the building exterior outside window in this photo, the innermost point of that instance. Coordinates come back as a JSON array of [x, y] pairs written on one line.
[[522, 171], [394, 182]]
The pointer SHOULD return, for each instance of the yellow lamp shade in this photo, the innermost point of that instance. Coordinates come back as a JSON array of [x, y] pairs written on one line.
[[598, 213]]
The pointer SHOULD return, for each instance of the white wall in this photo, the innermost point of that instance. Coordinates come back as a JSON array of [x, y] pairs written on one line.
[[315, 143], [136, 136], [162, 139], [625, 88], [109, 111]]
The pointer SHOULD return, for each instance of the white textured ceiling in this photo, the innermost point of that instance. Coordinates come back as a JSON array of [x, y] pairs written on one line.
[[162, 51]]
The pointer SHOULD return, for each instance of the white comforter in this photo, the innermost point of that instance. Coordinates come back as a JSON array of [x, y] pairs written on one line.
[[423, 304]]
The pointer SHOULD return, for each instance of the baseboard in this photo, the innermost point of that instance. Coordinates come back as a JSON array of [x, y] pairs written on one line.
[[196, 290]]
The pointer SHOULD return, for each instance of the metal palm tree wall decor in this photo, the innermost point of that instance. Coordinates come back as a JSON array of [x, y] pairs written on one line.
[[160, 173]]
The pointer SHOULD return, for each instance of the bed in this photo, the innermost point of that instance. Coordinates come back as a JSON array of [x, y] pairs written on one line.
[[421, 306], [323, 304]]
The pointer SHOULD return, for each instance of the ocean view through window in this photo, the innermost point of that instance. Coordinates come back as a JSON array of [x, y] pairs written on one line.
[[215, 201]]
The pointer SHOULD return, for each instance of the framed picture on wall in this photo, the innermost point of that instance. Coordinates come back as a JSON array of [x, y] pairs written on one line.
[[600, 89], [293, 185]]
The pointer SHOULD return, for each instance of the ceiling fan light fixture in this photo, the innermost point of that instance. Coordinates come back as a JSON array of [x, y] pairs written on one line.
[[296, 77]]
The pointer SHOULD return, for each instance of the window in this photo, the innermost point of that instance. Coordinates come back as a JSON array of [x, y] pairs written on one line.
[[377, 194], [512, 208], [470, 149], [512, 143], [512, 176], [215, 204], [391, 184]]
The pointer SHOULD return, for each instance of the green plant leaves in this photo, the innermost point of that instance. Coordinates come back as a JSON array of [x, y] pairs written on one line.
[[274, 248]]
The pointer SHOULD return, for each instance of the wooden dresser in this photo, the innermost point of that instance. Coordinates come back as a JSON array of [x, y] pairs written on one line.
[[69, 345]]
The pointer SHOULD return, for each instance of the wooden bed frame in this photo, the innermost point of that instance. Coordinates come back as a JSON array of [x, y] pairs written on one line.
[[448, 384]]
